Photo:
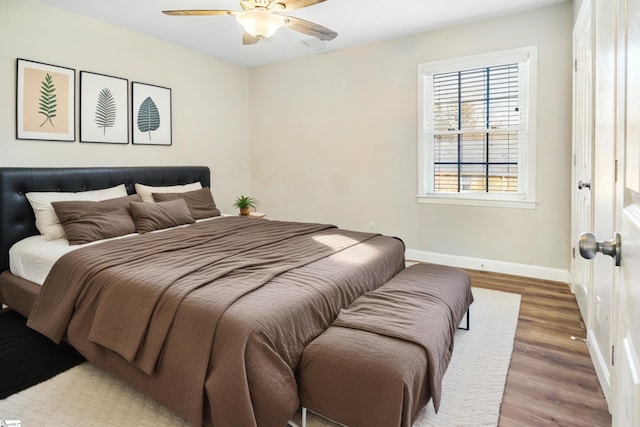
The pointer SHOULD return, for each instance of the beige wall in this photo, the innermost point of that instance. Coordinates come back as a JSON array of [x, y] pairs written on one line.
[[334, 139], [210, 97], [329, 138]]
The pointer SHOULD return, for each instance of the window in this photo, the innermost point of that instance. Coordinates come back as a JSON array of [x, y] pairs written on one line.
[[476, 130]]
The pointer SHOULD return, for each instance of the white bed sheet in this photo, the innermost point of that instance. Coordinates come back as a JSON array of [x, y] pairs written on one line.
[[33, 257]]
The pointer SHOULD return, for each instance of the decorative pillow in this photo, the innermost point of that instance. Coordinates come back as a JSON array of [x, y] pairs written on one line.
[[200, 202], [86, 221], [156, 216], [146, 191], [46, 219]]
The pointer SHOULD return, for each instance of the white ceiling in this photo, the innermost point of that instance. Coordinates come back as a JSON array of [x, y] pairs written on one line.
[[356, 22]]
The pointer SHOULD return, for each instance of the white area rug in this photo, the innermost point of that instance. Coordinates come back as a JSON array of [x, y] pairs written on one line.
[[473, 385], [474, 382]]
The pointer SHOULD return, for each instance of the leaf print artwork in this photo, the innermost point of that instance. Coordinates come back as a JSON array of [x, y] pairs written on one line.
[[105, 110], [48, 103], [45, 101], [148, 116]]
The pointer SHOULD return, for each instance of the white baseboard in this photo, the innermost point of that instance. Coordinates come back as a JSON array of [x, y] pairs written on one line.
[[600, 365], [525, 270]]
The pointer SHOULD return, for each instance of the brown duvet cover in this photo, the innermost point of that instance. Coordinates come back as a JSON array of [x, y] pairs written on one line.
[[211, 319]]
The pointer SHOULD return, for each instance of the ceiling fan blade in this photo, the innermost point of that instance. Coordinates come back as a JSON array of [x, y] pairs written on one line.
[[298, 4], [198, 12], [310, 28], [248, 39]]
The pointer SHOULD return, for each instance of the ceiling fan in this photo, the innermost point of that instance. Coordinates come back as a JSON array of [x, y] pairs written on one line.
[[262, 18]]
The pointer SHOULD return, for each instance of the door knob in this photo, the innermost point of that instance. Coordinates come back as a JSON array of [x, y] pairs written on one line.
[[589, 247], [582, 185]]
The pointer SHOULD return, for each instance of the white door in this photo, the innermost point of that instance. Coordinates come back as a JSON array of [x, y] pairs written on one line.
[[603, 188], [614, 330], [581, 269], [593, 173], [626, 381]]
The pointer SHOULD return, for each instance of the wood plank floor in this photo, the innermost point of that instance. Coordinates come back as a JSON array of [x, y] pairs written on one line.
[[551, 379]]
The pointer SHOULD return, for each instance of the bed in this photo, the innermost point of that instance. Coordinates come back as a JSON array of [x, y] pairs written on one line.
[[215, 328]]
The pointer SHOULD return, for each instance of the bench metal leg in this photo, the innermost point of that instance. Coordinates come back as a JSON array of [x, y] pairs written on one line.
[[467, 316], [304, 417]]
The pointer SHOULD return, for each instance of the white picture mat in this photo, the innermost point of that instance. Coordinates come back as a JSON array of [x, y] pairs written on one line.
[[91, 84], [161, 97]]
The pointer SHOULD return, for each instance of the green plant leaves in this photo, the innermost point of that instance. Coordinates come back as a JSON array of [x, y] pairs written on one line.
[[246, 202], [148, 116], [48, 103], [105, 110]]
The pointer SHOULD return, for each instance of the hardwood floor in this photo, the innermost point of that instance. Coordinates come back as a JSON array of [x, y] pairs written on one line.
[[551, 379]]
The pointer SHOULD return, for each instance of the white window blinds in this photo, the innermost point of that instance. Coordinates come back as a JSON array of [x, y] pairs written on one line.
[[476, 121]]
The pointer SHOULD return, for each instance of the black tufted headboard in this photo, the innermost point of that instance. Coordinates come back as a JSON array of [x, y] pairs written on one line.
[[17, 220]]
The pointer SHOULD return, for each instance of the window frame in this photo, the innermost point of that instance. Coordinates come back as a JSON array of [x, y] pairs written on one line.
[[526, 57]]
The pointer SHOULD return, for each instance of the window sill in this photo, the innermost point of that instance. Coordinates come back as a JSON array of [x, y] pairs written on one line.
[[475, 201]]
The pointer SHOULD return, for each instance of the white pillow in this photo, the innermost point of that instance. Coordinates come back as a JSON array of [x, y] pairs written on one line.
[[47, 221], [145, 191]]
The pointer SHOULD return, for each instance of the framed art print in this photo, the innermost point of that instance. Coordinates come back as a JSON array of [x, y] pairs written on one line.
[[104, 115], [151, 114], [45, 101]]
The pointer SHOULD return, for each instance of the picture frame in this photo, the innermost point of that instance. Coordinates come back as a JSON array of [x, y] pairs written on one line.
[[45, 101], [150, 114], [104, 108]]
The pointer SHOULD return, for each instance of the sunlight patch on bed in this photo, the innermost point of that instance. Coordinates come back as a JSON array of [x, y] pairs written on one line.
[[358, 254], [334, 241]]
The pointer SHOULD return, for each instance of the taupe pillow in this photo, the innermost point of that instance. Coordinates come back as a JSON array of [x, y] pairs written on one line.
[[145, 191], [156, 216], [200, 202], [86, 221]]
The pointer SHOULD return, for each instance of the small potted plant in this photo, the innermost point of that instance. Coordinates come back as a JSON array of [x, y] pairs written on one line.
[[245, 204]]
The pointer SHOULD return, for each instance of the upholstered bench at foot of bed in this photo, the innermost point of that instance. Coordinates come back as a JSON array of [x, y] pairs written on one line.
[[366, 376]]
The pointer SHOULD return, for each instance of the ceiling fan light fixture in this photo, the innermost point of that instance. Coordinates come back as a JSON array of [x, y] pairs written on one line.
[[260, 23]]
